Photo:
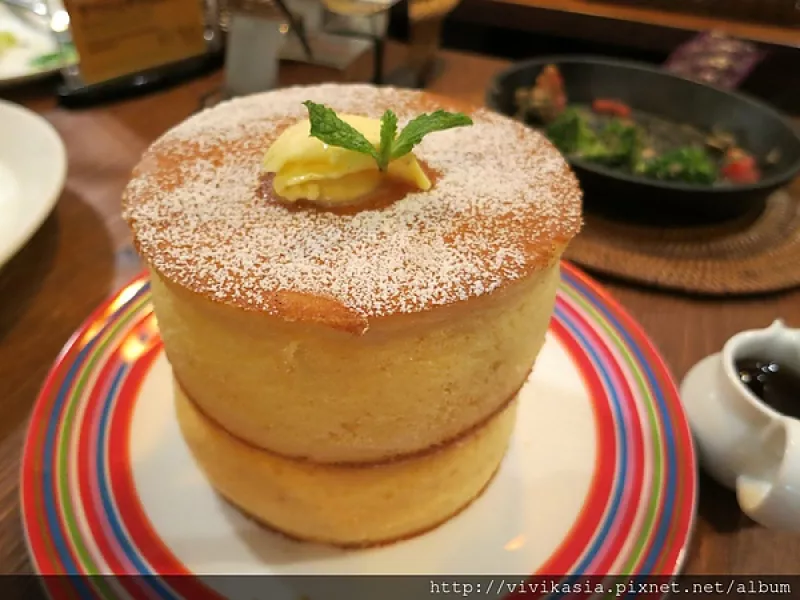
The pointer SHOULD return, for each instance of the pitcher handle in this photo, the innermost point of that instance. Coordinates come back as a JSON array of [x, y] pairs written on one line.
[[768, 491]]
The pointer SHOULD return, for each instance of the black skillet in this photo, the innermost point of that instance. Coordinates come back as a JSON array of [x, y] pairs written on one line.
[[651, 91]]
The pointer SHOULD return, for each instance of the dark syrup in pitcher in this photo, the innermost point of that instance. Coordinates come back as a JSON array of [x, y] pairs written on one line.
[[773, 382]]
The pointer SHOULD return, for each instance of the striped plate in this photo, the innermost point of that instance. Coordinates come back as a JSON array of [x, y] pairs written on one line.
[[600, 477]]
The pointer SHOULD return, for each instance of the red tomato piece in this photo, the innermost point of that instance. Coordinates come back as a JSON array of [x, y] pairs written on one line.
[[741, 172], [740, 167], [606, 106]]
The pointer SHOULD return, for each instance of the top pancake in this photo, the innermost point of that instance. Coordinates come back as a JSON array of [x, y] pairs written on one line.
[[504, 205]]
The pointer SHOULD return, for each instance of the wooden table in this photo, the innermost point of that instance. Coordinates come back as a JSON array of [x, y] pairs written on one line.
[[82, 254]]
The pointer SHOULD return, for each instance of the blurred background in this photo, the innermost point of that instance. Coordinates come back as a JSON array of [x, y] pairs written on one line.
[[642, 30], [645, 30]]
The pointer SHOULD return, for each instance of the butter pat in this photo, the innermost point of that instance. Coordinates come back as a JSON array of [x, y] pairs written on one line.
[[306, 168]]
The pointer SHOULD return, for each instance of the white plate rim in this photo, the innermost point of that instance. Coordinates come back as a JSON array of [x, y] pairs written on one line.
[[58, 167]]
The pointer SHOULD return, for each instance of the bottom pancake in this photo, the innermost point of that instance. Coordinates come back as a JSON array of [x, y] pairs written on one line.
[[346, 505]]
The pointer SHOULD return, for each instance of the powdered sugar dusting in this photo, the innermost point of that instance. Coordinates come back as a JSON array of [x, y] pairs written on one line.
[[504, 205]]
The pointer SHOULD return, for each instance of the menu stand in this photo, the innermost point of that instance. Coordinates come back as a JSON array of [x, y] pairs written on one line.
[[129, 48]]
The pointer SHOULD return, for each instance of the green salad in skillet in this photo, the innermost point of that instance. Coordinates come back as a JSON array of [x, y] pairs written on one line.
[[608, 133]]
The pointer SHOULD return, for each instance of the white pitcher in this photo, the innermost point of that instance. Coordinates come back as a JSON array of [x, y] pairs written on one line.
[[742, 442]]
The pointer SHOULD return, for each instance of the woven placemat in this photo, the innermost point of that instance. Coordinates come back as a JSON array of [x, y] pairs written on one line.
[[757, 253]]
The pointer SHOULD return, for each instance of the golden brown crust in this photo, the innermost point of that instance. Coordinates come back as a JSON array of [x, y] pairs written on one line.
[[363, 545], [505, 206], [442, 446]]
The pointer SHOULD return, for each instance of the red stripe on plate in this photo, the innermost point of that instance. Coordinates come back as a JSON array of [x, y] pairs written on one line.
[[43, 553], [141, 531], [623, 523], [672, 558], [575, 543]]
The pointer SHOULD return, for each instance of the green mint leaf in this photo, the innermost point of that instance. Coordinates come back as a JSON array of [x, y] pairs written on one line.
[[388, 133], [330, 129], [422, 125]]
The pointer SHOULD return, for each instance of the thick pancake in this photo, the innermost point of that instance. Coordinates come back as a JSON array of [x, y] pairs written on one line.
[[346, 505], [350, 370]]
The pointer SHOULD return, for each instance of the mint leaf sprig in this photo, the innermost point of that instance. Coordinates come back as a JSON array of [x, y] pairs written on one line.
[[330, 129]]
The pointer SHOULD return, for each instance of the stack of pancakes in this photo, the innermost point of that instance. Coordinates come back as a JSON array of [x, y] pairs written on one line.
[[350, 377]]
